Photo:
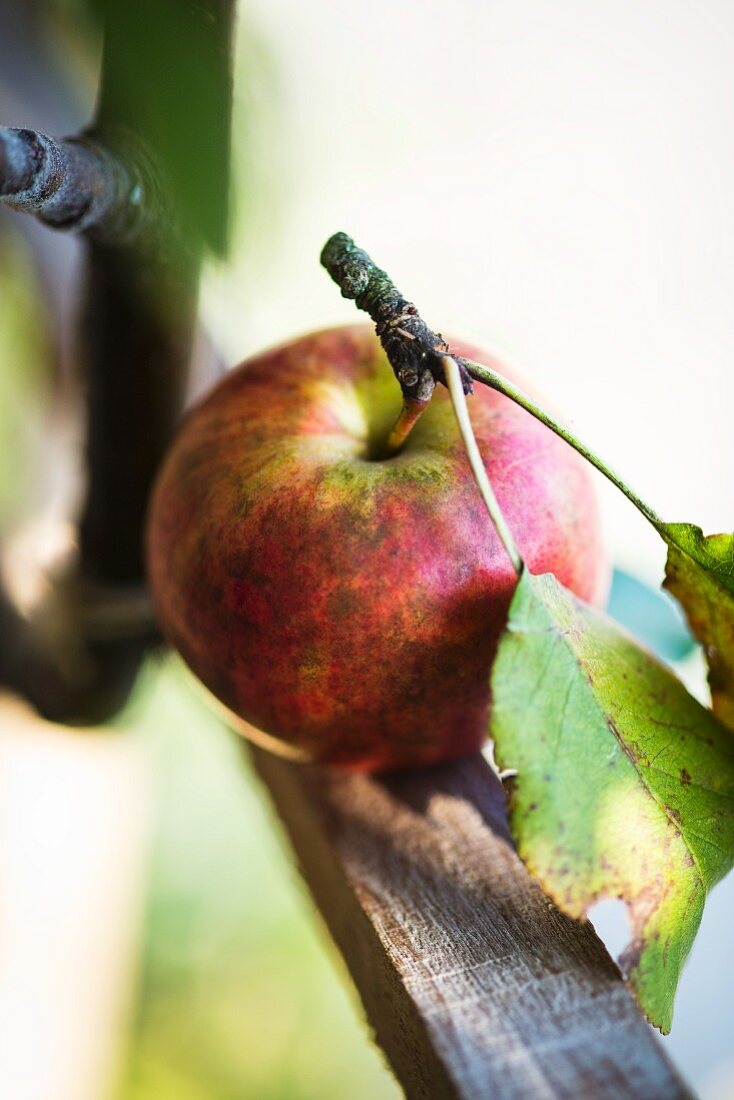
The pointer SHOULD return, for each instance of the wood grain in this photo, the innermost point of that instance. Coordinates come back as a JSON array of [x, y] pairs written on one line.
[[474, 983]]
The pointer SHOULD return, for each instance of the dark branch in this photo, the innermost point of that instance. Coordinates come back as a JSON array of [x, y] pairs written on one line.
[[413, 349], [108, 188], [137, 321]]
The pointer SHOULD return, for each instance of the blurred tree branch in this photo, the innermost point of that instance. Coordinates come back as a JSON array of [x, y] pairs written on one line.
[[147, 185], [84, 184]]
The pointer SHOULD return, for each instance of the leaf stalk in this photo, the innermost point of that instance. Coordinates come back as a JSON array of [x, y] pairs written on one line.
[[498, 382], [461, 410]]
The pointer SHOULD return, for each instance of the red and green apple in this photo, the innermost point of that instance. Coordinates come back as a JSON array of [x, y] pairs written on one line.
[[346, 602]]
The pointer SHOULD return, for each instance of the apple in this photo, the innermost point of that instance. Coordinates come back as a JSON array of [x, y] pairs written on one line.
[[347, 603]]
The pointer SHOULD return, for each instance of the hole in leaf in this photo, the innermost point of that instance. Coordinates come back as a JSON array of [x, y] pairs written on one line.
[[611, 924]]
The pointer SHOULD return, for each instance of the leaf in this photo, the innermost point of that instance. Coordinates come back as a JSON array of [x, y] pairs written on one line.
[[624, 785], [166, 78], [700, 574]]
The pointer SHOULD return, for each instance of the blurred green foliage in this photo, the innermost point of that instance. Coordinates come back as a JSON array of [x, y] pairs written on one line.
[[242, 994], [166, 77], [25, 361]]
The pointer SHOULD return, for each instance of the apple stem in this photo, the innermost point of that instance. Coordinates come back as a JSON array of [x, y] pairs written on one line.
[[409, 415], [461, 410], [415, 351], [420, 358], [498, 382]]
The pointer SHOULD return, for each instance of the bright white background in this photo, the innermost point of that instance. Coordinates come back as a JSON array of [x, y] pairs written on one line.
[[554, 180]]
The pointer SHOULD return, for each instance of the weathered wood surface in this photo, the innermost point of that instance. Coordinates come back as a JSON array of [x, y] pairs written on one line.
[[473, 982]]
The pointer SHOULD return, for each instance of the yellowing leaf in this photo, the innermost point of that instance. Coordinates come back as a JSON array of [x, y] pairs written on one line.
[[700, 574], [624, 785]]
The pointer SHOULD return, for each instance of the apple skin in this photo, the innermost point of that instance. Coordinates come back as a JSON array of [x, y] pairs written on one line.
[[347, 606]]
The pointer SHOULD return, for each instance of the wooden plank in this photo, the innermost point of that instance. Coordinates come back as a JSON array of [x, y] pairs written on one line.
[[474, 983]]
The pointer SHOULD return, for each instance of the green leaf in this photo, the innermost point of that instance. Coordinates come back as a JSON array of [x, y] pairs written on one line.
[[167, 79], [700, 574], [624, 785]]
